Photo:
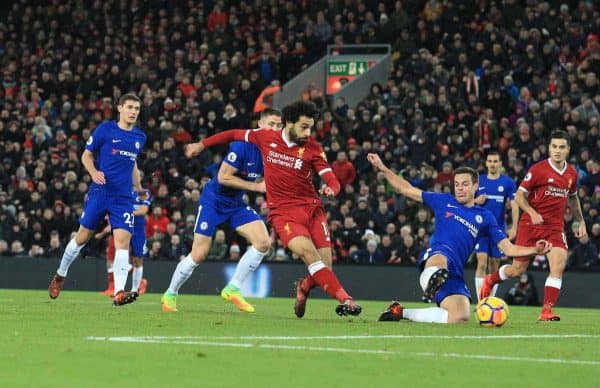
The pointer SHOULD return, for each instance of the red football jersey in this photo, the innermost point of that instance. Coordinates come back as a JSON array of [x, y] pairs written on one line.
[[289, 167], [547, 191]]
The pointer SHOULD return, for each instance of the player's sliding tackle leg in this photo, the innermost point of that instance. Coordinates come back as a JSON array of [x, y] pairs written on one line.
[[322, 276], [257, 235], [454, 308], [71, 252]]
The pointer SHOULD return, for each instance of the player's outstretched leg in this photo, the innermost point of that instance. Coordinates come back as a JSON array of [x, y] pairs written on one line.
[[56, 285], [393, 313], [349, 307], [234, 295]]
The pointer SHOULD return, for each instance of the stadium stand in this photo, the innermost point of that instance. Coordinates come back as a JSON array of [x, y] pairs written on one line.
[[465, 79]]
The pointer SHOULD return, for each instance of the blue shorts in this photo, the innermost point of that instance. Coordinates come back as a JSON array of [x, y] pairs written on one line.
[[455, 285], [485, 245], [209, 217], [138, 239], [98, 203]]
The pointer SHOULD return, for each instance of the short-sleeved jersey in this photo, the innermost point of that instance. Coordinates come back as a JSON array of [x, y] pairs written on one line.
[[289, 168], [457, 227], [498, 191], [115, 151], [246, 159], [547, 191]]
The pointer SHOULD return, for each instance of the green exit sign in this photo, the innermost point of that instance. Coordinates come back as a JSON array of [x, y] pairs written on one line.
[[347, 67]]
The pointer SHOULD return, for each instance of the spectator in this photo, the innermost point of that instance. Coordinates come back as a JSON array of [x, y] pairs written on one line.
[[234, 253], [523, 292], [343, 169], [219, 247]]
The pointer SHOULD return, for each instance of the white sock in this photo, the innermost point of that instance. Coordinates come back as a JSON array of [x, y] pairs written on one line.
[[121, 269], [71, 252], [136, 278], [316, 267], [553, 282], [182, 273], [248, 263], [503, 275], [426, 275], [478, 283], [428, 315], [494, 290]]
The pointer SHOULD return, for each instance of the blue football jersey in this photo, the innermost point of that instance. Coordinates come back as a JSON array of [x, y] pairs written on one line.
[[457, 227], [138, 202], [246, 158], [115, 151], [498, 191]]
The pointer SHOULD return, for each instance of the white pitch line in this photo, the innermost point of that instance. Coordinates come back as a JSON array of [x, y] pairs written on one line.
[[360, 337], [157, 340]]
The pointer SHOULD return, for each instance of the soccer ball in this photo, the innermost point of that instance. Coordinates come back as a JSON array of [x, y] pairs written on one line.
[[492, 312]]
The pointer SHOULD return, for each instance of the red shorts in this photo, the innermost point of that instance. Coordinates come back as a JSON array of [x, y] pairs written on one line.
[[527, 235], [307, 221]]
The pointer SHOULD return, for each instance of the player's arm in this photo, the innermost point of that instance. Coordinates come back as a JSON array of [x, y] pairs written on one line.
[[400, 184], [87, 159], [141, 211], [228, 178], [224, 137], [575, 206], [521, 200], [137, 178], [331, 185], [514, 213], [541, 247]]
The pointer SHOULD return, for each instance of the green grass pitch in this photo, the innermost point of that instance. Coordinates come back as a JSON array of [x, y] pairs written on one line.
[[80, 340]]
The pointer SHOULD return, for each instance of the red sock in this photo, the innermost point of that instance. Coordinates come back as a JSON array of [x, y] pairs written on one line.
[[111, 281], [550, 297], [495, 277], [308, 283], [327, 280]]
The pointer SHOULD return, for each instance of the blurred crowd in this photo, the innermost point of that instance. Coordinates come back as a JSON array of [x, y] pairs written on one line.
[[468, 76]]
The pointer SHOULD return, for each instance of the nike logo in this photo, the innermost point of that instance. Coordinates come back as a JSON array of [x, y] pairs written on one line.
[[452, 206], [481, 187], [273, 145], [251, 164], [116, 141]]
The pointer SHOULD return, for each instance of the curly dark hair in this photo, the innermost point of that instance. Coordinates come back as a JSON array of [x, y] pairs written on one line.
[[292, 112]]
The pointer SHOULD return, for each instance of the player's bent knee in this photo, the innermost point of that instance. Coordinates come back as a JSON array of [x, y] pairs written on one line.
[[262, 245]]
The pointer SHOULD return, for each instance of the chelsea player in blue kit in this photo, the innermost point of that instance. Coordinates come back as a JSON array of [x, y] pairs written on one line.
[[458, 224], [494, 191], [221, 201], [110, 158], [139, 250]]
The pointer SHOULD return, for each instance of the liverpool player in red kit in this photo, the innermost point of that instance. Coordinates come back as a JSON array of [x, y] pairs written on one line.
[[543, 197], [291, 157]]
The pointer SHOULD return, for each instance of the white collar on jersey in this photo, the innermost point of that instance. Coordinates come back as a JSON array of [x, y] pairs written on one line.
[[556, 169], [288, 143]]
